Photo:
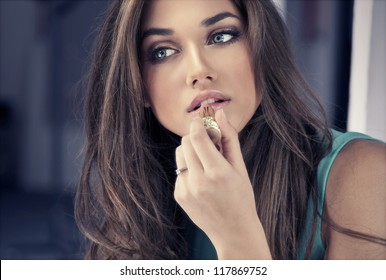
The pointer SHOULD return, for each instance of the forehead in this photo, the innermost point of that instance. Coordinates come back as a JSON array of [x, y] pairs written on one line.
[[168, 13]]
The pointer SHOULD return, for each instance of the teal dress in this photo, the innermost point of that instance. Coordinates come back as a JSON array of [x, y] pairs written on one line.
[[203, 249]]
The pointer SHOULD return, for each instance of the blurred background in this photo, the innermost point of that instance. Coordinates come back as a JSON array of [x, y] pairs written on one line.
[[44, 49]]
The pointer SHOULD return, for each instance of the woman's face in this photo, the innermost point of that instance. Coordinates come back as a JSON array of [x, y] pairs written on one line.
[[195, 52]]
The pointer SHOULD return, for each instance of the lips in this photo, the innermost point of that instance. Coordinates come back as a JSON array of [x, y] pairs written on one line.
[[211, 98]]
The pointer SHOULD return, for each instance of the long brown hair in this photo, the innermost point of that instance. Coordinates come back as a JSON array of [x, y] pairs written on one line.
[[124, 203]]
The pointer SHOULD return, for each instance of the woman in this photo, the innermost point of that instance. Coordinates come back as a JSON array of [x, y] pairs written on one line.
[[265, 194]]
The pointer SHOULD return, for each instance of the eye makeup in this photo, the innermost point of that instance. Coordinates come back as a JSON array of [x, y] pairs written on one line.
[[161, 51]]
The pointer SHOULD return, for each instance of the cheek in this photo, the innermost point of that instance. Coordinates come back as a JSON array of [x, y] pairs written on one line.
[[162, 98], [161, 84], [244, 69], [238, 67], [248, 72], [248, 97], [244, 78], [156, 85]]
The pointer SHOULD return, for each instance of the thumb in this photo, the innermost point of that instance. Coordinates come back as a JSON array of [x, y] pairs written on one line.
[[229, 140]]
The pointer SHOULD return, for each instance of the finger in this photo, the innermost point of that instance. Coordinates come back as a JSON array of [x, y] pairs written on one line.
[[192, 160], [230, 140], [180, 158], [180, 190], [204, 148]]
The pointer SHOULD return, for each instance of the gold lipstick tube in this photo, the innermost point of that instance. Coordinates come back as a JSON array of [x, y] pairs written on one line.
[[211, 126]]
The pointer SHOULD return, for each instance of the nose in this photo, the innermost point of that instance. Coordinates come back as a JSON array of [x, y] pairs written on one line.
[[200, 72]]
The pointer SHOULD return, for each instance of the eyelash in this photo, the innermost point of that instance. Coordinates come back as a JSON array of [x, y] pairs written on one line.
[[153, 52], [232, 32]]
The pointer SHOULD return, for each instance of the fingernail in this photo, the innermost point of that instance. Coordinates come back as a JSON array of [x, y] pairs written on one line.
[[223, 114]]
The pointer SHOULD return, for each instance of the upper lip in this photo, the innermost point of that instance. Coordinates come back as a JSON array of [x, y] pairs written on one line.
[[215, 94]]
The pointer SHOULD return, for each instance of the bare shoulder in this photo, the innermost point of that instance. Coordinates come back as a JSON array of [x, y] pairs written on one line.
[[356, 200]]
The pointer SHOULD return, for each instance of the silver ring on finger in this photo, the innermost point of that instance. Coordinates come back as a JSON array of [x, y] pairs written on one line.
[[180, 170]]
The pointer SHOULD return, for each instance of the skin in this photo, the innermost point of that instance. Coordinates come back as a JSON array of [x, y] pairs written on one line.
[[196, 62], [216, 191], [356, 199]]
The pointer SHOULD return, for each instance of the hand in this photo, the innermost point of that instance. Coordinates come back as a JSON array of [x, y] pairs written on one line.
[[216, 191]]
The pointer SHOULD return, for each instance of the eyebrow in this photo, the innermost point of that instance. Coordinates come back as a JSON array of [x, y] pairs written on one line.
[[212, 20], [206, 22], [157, 31]]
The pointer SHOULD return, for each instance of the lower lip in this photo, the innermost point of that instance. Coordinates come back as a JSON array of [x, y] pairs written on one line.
[[214, 106]]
